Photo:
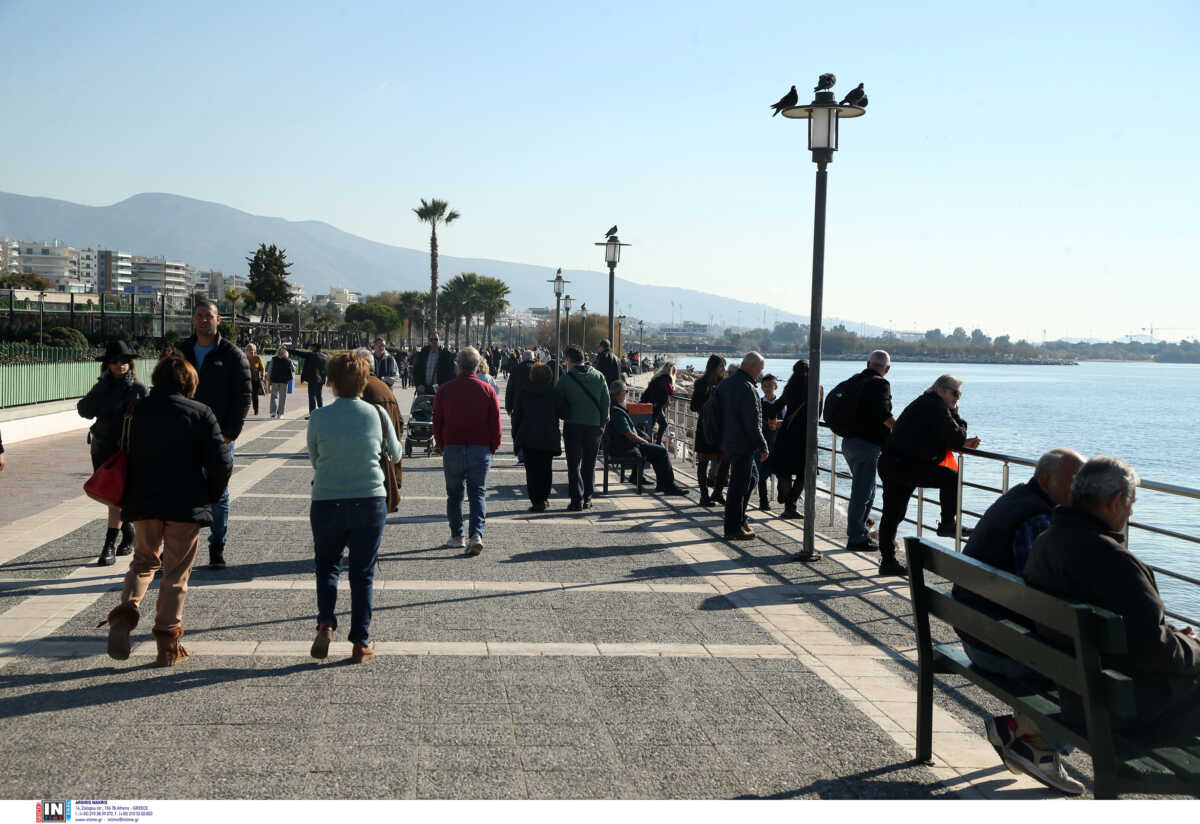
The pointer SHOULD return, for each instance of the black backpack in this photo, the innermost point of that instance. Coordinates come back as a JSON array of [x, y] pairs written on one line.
[[841, 405]]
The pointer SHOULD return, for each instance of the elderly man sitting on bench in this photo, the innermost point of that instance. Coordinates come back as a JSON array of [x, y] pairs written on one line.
[[623, 439]]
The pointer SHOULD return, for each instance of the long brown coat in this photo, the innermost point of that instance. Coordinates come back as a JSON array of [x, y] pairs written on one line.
[[379, 393]]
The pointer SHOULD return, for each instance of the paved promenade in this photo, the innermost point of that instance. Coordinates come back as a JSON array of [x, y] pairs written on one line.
[[624, 652]]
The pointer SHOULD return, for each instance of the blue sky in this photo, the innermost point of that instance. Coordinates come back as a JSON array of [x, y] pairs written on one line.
[[1022, 167]]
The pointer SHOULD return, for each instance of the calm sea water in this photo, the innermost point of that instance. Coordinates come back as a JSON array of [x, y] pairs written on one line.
[[1145, 413]]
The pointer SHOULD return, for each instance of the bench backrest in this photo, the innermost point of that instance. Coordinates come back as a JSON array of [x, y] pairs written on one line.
[[1091, 631]]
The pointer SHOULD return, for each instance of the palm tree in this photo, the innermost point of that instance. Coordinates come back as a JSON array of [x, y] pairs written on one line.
[[409, 306], [434, 212], [461, 292], [493, 294]]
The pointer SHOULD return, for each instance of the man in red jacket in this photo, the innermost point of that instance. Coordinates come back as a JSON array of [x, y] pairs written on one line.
[[466, 427]]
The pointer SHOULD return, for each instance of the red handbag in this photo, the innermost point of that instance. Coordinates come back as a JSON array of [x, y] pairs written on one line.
[[107, 484]]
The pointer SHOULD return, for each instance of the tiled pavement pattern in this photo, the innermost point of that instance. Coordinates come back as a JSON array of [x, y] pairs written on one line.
[[624, 652]]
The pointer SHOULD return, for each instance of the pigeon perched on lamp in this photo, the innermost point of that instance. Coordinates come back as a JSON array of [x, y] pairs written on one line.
[[785, 102], [825, 81], [611, 232], [853, 96], [862, 103]]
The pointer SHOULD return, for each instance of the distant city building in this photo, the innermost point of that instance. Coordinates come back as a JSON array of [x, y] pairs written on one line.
[[340, 297], [55, 262], [157, 275], [114, 271], [10, 257], [689, 329]]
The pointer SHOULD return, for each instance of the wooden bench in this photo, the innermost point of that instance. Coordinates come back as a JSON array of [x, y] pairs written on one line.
[[1105, 696], [631, 460]]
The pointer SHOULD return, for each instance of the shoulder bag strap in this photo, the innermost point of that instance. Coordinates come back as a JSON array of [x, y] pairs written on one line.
[[127, 426], [587, 391]]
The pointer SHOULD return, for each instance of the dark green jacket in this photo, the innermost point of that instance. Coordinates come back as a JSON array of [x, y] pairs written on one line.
[[574, 403]]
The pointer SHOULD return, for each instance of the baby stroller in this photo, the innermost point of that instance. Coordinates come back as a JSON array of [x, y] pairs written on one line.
[[420, 426]]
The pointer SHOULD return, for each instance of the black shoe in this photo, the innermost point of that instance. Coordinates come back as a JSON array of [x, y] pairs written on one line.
[[587, 503], [945, 530], [864, 545], [125, 548], [108, 556], [539, 507], [790, 513], [718, 498], [216, 557], [737, 536], [764, 505], [705, 500], [671, 490], [574, 507], [126, 545], [890, 566], [808, 557]]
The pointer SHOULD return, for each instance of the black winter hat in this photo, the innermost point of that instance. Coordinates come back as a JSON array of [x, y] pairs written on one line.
[[116, 351]]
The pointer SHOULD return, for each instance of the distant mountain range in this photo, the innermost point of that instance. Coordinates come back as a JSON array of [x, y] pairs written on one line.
[[213, 236]]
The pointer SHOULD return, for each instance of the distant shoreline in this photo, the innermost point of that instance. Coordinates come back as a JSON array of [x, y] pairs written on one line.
[[907, 359]]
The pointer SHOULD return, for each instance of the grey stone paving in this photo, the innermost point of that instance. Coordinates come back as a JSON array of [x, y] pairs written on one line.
[[438, 726]]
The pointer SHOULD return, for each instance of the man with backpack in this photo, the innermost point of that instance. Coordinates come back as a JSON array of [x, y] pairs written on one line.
[[859, 409], [583, 404]]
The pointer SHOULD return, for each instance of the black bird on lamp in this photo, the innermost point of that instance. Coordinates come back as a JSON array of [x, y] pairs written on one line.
[[825, 81], [862, 103], [854, 96], [785, 102], [611, 232]]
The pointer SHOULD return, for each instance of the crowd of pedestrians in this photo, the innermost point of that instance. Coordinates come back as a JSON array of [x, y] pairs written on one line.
[[1062, 531]]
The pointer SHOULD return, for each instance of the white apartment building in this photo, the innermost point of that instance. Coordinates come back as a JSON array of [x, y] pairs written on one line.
[[56, 262], [10, 257], [157, 275]]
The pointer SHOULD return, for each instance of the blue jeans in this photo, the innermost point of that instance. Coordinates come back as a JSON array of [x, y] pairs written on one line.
[[863, 459], [743, 477], [582, 443], [356, 523], [220, 516], [469, 465]]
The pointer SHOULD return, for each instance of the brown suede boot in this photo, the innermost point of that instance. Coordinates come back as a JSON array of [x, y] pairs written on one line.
[[170, 651], [121, 621], [361, 653], [320, 644]]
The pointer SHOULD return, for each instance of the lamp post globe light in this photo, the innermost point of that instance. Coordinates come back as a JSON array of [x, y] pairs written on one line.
[[559, 286], [822, 115], [617, 341], [568, 302], [612, 254]]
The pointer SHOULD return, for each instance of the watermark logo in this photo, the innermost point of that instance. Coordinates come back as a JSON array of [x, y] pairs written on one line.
[[53, 811]]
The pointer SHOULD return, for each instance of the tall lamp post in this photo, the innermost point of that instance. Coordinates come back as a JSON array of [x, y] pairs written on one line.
[[568, 302], [641, 339], [559, 286], [618, 343], [583, 345], [822, 116], [612, 254]]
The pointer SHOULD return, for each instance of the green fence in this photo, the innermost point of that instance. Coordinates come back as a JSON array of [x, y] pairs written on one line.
[[26, 383]]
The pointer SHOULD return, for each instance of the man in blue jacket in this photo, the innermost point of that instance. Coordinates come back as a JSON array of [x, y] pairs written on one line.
[[741, 440]]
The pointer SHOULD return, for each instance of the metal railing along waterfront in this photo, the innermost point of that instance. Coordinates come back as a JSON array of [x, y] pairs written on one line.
[[681, 431]]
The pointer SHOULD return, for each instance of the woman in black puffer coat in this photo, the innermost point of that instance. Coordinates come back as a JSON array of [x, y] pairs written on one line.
[[116, 389], [788, 459], [536, 433], [714, 373]]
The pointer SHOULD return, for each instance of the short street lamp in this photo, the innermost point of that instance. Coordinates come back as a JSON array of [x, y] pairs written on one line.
[[612, 254], [568, 302], [559, 286], [822, 116]]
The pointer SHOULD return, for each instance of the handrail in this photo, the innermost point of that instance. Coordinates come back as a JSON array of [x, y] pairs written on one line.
[[681, 423]]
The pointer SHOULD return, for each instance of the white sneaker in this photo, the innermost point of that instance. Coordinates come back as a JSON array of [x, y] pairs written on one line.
[[1044, 765], [455, 543], [476, 545]]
